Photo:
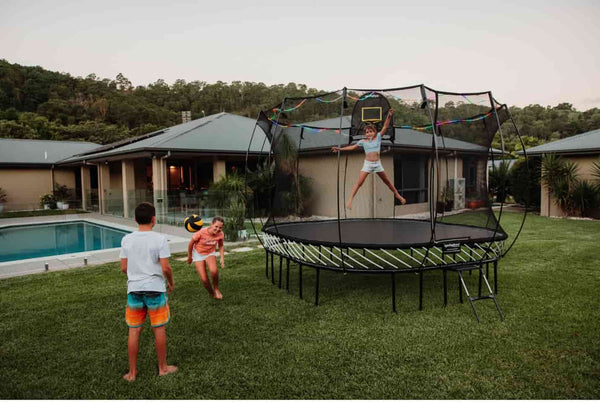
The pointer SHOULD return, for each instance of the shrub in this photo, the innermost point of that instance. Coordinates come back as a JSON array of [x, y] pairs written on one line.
[[2, 195], [229, 196], [584, 196], [525, 182]]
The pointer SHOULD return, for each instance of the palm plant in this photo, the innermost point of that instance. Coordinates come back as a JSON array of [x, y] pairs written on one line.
[[560, 177], [499, 180], [596, 170], [584, 196]]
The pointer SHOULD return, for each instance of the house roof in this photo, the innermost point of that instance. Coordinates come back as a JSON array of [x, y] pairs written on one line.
[[585, 143], [218, 133], [39, 152], [405, 138]]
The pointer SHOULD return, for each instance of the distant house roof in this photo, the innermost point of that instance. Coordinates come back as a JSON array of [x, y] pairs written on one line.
[[23, 152], [585, 143], [218, 133]]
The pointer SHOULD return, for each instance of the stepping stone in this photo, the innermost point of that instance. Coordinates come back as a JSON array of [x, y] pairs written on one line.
[[242, 249]]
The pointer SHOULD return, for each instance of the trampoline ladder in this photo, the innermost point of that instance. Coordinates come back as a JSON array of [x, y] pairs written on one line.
[[463, 286]]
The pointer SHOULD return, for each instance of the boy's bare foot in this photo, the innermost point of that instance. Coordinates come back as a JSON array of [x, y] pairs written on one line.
[[130, 376], [218, 294], [168, 370]]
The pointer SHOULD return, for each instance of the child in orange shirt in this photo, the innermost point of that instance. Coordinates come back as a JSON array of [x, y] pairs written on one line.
[[202, 251]]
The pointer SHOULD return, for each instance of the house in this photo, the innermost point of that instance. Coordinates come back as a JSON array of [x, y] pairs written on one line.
[[582, 149], [29, 169], [407, 162], [171, 168]]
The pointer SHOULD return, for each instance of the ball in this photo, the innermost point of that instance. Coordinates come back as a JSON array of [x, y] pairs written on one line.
[[193, 223]]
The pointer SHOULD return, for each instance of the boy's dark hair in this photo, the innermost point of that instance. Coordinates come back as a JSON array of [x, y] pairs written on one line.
[[144, 213], [218, 219]]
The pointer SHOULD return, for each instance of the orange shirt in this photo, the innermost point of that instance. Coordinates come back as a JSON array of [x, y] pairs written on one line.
[[207, 243]]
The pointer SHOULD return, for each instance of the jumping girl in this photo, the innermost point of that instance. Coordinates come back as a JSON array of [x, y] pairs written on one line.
[[371, 146]]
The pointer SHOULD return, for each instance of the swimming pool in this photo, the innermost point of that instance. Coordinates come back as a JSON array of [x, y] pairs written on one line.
[[42, 240]]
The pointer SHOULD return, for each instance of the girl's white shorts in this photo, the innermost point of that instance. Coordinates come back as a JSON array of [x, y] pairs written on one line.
[[372, 167], [196, 256]]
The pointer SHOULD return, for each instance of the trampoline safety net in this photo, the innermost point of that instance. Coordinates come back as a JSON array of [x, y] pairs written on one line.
[[435, 150]]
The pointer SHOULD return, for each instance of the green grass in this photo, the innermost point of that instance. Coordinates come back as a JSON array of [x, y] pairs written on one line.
[[41, 212], [62, 334]]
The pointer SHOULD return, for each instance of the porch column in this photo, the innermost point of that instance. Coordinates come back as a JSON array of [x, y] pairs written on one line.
[[86, 187], [219, 170], [159, 187], [103, 186], [128, 175]]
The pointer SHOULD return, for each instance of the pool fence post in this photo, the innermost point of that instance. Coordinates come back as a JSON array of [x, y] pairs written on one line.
[[46, 267], [85, 261]]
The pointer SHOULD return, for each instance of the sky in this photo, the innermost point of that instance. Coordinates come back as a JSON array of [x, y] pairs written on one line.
[[526, 52]]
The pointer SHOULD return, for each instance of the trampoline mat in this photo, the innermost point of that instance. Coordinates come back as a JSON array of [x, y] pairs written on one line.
[[380, 233]]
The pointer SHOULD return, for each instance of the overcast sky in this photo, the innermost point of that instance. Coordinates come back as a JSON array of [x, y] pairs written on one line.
[[528, 51]]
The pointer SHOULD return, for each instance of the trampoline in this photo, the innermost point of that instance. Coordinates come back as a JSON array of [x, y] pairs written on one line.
[[436, 151]]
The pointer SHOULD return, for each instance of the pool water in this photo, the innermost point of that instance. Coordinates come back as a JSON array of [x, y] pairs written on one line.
[[42, 240]]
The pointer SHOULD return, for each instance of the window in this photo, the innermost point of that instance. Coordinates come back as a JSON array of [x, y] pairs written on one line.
[[410, 177]]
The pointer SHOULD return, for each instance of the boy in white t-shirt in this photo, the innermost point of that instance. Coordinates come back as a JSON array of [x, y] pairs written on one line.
[[145, 259]]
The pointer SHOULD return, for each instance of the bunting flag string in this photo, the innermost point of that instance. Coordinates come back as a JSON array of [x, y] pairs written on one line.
[[406, 127]]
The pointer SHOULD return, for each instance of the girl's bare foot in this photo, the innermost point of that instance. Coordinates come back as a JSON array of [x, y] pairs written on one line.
[[218, 294], [349, 205], [130, 376], [168, 370]]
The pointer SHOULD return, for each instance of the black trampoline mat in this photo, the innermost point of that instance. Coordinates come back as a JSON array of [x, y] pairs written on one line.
[[385, 233]]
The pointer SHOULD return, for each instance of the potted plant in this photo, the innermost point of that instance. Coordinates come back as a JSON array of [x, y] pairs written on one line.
[[2, 199], [61, 193], [47, 201]]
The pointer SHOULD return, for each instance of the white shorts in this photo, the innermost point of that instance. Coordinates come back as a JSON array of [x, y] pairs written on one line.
[[196, 256], [372, 167]]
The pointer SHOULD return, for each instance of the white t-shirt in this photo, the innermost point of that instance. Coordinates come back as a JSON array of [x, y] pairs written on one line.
[[143, 250]]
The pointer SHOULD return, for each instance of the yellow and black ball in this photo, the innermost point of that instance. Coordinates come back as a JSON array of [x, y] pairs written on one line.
[[193, 223]]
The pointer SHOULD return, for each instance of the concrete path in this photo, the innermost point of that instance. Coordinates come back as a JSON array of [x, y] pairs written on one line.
[[177, 237]]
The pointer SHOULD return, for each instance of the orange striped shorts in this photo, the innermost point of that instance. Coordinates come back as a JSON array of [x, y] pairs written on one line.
[[140, 304]]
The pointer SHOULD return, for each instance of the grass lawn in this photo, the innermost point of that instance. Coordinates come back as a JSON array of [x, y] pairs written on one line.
[[63, 336], [41, 212]]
